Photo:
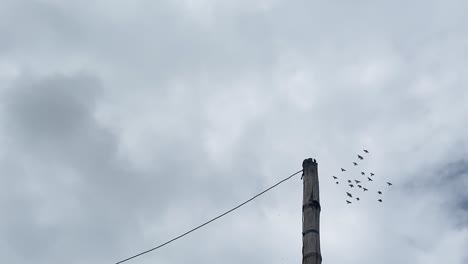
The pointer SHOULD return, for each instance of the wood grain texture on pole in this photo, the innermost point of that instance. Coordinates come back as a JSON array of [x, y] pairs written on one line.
[[311, 214]]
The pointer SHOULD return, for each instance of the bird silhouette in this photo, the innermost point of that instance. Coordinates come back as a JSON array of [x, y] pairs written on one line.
[[366, 151], [389, 183], [355, 164], [369, 179], [336, 182], [359, 186], [363, 173], [343, 169], [372, 174], [334, 177], [360, 157], [357, 181], [351, 185], [348, 201], [365, 189], [357, 198], [349, 181], [380, 200], [379, 192], [347, 193]]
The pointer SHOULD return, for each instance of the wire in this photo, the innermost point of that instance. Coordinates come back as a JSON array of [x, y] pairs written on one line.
[[217, 217]]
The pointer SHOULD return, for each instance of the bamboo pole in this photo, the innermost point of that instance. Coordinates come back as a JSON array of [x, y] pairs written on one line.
[[310, 214]]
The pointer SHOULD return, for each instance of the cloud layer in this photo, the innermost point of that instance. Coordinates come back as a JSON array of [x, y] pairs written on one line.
[[124, 125]]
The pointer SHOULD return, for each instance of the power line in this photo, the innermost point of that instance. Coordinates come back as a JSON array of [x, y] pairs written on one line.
[[217, 217]]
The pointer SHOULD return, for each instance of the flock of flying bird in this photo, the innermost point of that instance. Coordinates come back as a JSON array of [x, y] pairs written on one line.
[[358, 183]]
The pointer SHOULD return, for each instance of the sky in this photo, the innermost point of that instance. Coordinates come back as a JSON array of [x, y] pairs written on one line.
[[126, 123]]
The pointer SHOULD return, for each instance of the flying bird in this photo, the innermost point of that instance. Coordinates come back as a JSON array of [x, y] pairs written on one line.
[[363, 173], [389, 183], [369, 179], [355, 164], [366, 151], [372, 174], [379, 192], [360, 157], [334, 177], [357, 198], [348, 201], [336, 182], [343, 169], [380, 200], [347, 193], [357, 181], [359, 186], [365, 189], [349, 181], [351, 185]]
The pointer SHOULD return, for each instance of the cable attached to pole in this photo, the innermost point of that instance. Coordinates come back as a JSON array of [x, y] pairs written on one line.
[[213, 219]]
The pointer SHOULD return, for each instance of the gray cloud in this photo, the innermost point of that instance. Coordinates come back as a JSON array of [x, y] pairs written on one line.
[[123, 125]]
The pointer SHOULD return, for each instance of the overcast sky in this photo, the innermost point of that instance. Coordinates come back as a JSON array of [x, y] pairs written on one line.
[[126, 123]]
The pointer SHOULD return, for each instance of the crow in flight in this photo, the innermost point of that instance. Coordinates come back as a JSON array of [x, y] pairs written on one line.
[[347, 193], [365, 189], [359, 186], [355, 164], [357, 181], [380, 200], [336, 182], [343, 169], [351, 185], [334, 177], [357, 198], [363, 173], [379, 192], [366, 151], [372, 174], [369, 179], [349, 181], [348, 201], [360, 157], [389, 183]]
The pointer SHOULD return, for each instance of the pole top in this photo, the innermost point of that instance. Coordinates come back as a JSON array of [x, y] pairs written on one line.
[[308, 162]]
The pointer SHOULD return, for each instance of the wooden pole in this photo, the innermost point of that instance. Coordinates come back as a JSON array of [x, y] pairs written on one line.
[[310, 214]]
